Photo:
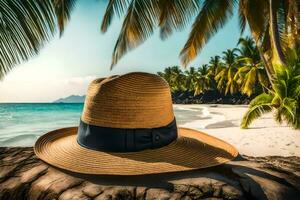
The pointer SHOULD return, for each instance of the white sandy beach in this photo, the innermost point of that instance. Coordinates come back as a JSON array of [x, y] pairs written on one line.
[[264, 137]]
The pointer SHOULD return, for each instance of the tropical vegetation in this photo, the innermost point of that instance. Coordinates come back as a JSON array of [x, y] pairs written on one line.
[[237, 70], [234, 73], [283, 98], [274, 25]]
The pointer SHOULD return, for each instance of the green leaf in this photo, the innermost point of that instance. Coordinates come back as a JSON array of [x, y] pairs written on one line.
[[213, 16], [176, 15], [139, 23], [114, 7], [25, 27], [258, 106]]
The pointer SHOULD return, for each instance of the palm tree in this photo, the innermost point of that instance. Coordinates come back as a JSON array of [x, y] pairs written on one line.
[[191, 77], [247, 48], [251, 75], [225, 76], [284, 99], [25, 26], [267, 20], [214, 65], [167, 74], [177, 79], [203, 81]]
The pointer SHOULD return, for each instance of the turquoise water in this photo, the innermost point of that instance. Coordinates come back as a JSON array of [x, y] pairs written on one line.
[[22, 123]]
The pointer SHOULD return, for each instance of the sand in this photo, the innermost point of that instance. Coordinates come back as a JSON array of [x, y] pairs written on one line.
[[265, 137]]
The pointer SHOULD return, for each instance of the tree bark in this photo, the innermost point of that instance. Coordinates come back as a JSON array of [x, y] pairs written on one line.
[[24, 176], [268, 66]]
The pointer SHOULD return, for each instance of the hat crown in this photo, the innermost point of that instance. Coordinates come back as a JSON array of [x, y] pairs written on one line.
[[134, 100]]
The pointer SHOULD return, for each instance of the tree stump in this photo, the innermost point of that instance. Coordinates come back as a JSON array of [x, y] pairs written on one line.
[[24, 176]]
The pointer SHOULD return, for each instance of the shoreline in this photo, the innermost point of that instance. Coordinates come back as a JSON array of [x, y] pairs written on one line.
[[264, 137]]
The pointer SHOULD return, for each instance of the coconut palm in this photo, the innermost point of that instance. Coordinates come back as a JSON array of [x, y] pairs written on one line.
[[25, 26], [203, 81], [251, 74], [166, 74], [247, 48], [214, 64], [283, 99], [225, 76], [191, 76], [267, 20], [177, 79]]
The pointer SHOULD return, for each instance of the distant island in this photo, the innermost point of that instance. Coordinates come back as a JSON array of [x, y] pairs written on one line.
[[71, 99]]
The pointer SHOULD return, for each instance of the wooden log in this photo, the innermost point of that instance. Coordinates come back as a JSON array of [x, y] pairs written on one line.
[[24, 176]]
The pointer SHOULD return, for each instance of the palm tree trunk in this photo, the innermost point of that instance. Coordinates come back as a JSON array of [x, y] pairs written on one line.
[[274, 33], [268, 65]]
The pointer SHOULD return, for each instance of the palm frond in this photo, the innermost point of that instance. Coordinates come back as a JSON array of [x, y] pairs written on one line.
[[114, 7], [258, 106], [290, 107], [286, 111], [278, 115], [239, 76], [250, 81], [282, 15], [212, 17], [63, 10], [25, 26], [176, 15], [139, 23], [221, 78], [263, 78], [255, 11], [228, 87], [242, 19]]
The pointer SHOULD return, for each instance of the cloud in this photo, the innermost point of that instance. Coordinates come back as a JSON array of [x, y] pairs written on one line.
[[79, 80], [43, 90]]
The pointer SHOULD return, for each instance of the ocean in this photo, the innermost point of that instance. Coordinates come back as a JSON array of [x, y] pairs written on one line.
[[22, 123]]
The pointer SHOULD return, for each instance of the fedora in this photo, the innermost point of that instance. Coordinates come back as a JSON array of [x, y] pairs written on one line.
[[128, 127]]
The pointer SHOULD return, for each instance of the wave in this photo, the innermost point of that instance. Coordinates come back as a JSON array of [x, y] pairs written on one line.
[[199, 116]]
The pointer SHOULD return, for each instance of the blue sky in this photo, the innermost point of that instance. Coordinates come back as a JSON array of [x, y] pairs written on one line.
[[66, 65]]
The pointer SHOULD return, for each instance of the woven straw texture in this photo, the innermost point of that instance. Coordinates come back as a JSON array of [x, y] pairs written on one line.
[[134, 100], [192, 150]]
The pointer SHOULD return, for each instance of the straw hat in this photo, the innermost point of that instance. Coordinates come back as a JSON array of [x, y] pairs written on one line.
[[128, 128]]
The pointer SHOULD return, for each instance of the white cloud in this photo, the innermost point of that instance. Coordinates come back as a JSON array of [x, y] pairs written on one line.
[[42, 90], [79, 80]]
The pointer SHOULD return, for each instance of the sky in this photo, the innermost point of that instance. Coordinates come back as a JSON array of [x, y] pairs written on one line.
[[66, 65]]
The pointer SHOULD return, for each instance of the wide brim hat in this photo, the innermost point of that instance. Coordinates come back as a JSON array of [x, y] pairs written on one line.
[[128, 128]]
